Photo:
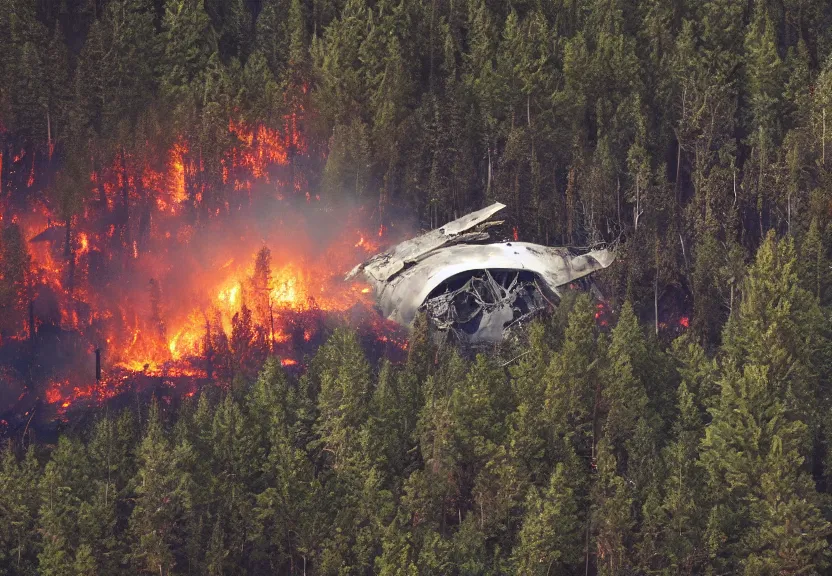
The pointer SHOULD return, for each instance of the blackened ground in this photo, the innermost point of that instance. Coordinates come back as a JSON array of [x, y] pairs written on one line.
[[27, 367]]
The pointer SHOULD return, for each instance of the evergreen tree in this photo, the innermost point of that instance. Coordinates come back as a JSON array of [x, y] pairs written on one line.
[[815, 261], [572, 379], [760, 424], [527, 436], [684, 520], [271, 35], [624, 396], [612, 519], [237, 28], [234, 469], [189, 41], [163, 498], [765, 85], [135, 54], [111, 457], [65, 490], [261, 286], [343, 380], [19, 504], [553, 534], [15, 274]]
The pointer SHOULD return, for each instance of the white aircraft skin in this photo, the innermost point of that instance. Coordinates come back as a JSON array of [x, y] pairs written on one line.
[[404, 275]]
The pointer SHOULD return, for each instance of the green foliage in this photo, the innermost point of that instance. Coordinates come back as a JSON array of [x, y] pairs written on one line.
[[19, 504], [163, 498], [572, 378], [552, 536], [342, 378], [695, 133], [15, 276]]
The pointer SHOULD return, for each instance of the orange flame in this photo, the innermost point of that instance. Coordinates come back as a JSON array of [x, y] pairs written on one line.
[[103, 292]]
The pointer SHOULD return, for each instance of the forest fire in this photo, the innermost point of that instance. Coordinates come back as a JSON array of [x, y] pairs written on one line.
[[167, 282]]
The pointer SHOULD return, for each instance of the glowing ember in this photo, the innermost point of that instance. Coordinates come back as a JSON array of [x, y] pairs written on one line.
[[31, 179], [182, 280], [84, 242]]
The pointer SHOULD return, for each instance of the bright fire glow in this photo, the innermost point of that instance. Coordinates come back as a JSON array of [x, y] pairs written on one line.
[[153, 293]]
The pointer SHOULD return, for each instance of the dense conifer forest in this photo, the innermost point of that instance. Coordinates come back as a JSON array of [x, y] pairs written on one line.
[[683, 428]]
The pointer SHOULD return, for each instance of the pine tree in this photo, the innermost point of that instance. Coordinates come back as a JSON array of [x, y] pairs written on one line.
[[19, 504], [235, 38], [624, 396], [297, 72], [429, 492], [15, 274], [65, 489], [761, 424], [234, 469], [349, 162], [157, 321], [572, 379], [261, 286], [468, 551], [189, 41], [217, 552], [814, 262], [340, 88], [765, 82], [746, 450], [552, 538], [271, 35], [527, 436], [194, 428], [422, 357], [290, 520], [135, 51], [92, 90], [478, 408], [260, 97], [684, 520], [793, 534], [612, 521], [396, 557], [271, 405], [387, 433], [698, 373], [56, 64], [26, 91], [776, 326], [248, 351], [111, 456], [343, 378], [69, 196], [163, 497]]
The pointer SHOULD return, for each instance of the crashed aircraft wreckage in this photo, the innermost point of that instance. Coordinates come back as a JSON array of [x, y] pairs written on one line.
[[469, 287]]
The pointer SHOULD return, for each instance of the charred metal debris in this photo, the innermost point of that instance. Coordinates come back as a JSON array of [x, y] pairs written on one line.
[[470, 288]]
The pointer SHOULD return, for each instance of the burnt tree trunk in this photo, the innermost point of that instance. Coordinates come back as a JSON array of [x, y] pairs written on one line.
[[31, 321], [69, 254], [125, 210], [68, 239], [209, 352], [102, 194]]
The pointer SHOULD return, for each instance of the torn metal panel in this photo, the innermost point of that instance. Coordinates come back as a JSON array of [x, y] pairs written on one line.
[[385, 265], [400, 298], [477, 290]]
